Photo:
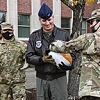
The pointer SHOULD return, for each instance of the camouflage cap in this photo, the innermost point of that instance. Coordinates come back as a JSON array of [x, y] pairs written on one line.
[[6, 25], [94, 15]]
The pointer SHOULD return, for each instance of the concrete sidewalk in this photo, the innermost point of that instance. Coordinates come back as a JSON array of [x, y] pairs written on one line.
[[30, 78]]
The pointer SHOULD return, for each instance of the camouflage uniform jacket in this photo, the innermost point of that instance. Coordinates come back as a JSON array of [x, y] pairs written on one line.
[[89, 45], [12, 57]]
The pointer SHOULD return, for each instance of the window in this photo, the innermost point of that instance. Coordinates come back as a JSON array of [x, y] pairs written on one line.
[[2, 17], [65, 24], [23, 26], [83, 26]]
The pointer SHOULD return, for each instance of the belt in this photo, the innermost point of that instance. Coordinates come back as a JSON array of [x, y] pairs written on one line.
[[50, 77]]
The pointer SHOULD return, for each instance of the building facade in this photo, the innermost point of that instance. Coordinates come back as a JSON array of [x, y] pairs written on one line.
[[23, 14]]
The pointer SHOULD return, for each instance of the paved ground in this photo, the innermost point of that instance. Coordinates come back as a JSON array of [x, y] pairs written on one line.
[[30, 78]]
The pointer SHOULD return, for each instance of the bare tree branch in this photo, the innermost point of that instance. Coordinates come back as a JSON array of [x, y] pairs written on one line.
[[67, 4]]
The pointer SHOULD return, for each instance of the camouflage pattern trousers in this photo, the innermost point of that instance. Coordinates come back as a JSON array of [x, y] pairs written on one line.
[[12, 92], [90, 98]]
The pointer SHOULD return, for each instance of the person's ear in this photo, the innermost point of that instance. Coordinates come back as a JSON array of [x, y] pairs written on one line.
[[53, 16], [39, 18]]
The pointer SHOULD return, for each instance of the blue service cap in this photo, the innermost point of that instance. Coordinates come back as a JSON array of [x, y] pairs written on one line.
[[45, 12]]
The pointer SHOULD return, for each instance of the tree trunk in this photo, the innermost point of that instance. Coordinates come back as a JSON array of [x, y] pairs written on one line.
[[74, 78]]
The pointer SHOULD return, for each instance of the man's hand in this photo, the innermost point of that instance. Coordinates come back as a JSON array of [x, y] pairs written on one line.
[[48, 59], [24, 66], [64, 67]]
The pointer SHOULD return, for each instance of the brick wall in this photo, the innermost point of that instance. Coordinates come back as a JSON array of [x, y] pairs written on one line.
[[65, 11], [3, 5], [90, 8], [24, 6], [48, 2]]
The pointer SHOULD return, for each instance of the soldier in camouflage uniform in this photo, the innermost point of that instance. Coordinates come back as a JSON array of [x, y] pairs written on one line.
[[12, 58], [89, 45], [0, 33]]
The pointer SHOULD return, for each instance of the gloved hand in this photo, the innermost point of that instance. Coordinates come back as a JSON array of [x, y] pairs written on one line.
[[64, 67], [48, 59]]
